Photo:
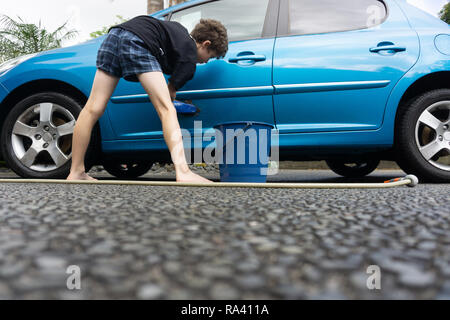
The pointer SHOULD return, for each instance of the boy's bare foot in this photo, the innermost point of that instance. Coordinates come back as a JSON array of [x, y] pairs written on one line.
[[80, 176], [192, 177]]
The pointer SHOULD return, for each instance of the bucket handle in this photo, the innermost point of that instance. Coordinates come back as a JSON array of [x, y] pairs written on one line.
[[235, 135]]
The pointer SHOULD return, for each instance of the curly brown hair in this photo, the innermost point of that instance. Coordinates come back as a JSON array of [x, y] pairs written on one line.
[[214, 31]]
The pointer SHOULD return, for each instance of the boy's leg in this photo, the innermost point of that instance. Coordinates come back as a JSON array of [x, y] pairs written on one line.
[[102, 89], [156, 87]]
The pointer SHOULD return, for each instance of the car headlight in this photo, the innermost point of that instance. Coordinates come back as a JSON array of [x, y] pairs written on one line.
[[7, 65]]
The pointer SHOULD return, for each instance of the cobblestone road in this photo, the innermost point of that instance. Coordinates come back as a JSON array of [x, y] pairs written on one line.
[[137, 242]]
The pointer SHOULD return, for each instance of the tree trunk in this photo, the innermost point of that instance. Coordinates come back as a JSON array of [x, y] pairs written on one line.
[[156, 5]]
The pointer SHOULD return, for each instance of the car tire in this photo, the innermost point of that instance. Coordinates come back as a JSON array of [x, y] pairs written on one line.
[[422, 128], [127, 169], [38, 120], [353, 169]]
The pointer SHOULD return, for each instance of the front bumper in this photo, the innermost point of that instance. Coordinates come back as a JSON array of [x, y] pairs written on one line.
[[3, 92]]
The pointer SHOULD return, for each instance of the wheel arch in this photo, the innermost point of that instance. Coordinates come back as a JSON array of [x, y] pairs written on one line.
[[432, 81]]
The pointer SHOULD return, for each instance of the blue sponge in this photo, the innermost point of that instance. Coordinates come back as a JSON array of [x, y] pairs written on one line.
[[184, 108]]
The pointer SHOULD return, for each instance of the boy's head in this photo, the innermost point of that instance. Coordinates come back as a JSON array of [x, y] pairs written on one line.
[[212, 39]]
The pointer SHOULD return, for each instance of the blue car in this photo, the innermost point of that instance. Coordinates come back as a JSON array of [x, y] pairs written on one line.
[[351, 82]]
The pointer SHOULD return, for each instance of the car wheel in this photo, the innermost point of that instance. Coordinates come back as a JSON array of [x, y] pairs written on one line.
[[36, 138], [422, 142], [127, 169], [353, 169]]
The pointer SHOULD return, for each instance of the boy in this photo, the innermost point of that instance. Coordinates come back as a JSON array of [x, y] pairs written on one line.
[[142, 49]]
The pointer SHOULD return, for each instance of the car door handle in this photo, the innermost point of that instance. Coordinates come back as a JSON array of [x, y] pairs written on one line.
[[383, 48], [248, 57]]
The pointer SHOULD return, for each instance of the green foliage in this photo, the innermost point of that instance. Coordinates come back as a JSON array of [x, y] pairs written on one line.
[[104, 30], [444, 14], [19, 38]]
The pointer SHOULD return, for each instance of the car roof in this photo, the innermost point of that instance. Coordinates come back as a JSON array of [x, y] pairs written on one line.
[[177, 6]]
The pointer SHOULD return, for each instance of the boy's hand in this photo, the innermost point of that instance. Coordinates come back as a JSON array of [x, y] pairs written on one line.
[[172, 91]]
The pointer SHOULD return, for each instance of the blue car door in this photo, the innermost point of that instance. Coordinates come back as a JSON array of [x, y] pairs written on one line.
[[336, 62], [237, 87]]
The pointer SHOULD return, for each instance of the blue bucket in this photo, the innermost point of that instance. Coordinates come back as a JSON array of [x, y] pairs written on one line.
[[243, 150]]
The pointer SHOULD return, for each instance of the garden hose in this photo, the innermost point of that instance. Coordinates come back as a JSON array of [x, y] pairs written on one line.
[[409, 180]]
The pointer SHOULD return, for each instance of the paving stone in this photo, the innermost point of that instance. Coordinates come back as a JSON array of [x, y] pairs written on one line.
[[444, 292], [5, 292], [223, 291], [102, 248], [417, 278], [276, 271], [292, 250], [13, 269], [51, 263], [291, 291], [427, 245], [248, 266], [149, 291], [214, 271], [250, 282]]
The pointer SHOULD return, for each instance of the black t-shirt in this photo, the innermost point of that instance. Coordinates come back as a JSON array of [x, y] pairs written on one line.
[[170, 43]]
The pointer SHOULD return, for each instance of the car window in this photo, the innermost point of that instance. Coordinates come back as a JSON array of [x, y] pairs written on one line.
[[320, 16], [243, 19]]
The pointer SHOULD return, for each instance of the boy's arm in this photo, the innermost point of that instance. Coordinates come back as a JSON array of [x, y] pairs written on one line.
[[172, 91], [183, 72]]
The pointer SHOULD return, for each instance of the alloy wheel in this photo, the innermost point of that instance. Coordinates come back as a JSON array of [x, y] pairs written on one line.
[[432, 134], [42, 136]]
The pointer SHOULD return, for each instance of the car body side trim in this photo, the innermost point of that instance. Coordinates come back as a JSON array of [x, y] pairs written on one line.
[[203, 94], [260, 91], [329, 86]]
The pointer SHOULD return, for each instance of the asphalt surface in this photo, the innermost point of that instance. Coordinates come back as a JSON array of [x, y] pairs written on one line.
[[138, 242]]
